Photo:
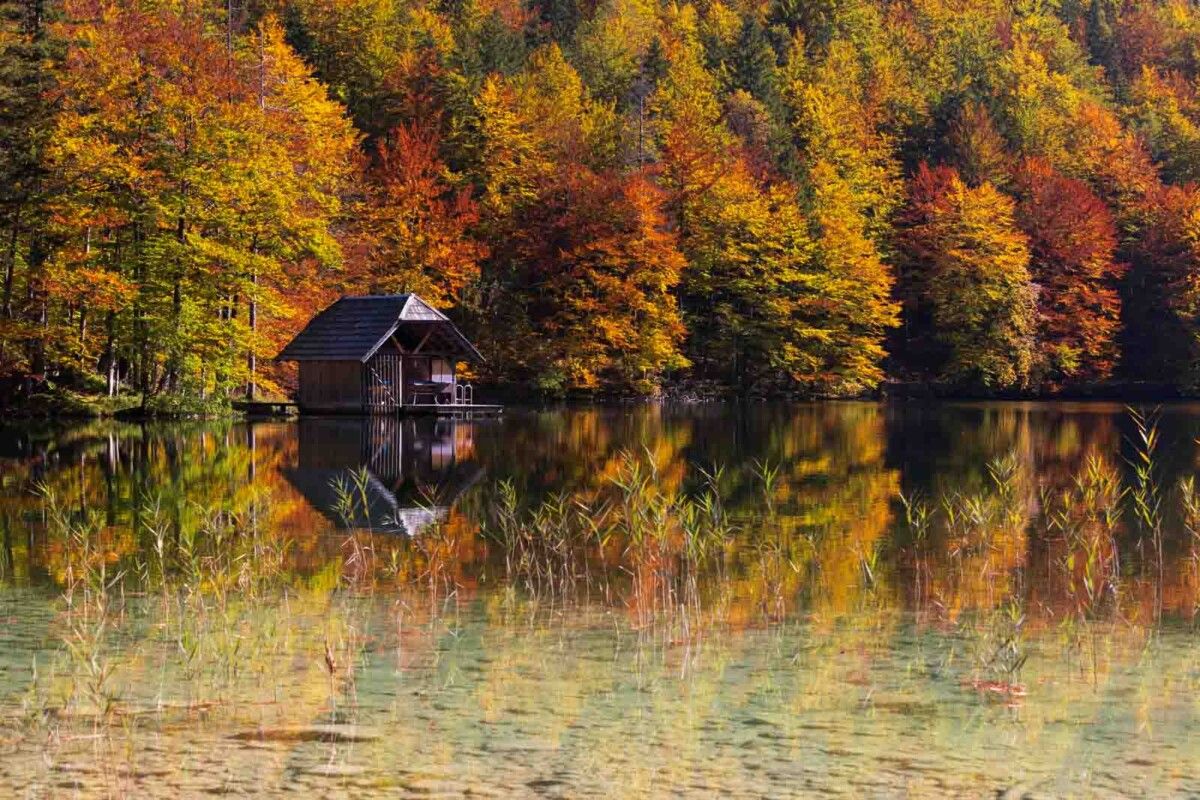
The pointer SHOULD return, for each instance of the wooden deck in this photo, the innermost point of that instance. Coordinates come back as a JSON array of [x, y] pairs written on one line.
[[289, 408], [449, 409], [266, 408]]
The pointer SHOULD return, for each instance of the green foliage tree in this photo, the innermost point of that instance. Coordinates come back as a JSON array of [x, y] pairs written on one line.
[[30, 59]]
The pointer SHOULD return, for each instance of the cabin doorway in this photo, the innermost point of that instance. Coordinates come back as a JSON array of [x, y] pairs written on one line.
[[428, 380]]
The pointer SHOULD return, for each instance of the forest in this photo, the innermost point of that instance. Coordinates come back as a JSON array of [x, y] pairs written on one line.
[[816, 198]]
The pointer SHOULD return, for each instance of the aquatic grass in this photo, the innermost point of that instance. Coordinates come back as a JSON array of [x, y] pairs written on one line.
[[869, 559], [918, 522], [1088, 515], [6, 547], [87, 594], [1146, 491], [1189, 500], [549, 550], [352, 505], [207, 574], [562, 548], [1000, 652]]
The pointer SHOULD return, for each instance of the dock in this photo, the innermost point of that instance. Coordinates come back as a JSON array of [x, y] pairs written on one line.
[[267, 408], [282, 409], [451, 409]]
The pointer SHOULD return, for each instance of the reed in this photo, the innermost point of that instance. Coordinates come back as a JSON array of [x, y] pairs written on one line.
[[1088, 516], [1146, 491], [562, 548]]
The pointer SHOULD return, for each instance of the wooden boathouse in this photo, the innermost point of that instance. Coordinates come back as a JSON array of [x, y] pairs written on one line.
[[382, 354]]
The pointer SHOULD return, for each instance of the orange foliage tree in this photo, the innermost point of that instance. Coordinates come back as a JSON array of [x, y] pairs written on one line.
[[414, 227], [593, 267]]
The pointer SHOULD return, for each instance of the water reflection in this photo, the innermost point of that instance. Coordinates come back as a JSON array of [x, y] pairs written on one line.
[[834, 502], [406, 472], [956, 599]]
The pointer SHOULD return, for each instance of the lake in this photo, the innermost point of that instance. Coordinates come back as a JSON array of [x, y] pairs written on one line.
[[863, 599]]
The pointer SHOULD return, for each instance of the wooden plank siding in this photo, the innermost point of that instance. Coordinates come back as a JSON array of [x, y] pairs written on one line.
[[331, 385], [382, 385]]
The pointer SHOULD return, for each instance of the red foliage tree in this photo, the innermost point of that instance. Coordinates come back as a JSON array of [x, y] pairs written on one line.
[[594, 267], [1073, 243]]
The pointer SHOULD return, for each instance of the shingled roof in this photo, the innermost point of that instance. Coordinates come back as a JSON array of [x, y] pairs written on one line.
[[354, 327]]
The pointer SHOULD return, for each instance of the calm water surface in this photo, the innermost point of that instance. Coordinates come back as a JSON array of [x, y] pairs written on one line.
[[851, 599]]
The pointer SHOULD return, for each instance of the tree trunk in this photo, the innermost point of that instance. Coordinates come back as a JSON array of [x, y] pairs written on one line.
[[37, 360], [110, 355], [172, 373], [82, 336], [10, 264], [252, 317], [251, 359]]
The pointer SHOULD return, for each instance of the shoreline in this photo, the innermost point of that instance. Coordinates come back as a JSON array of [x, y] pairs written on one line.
[[83, 408]]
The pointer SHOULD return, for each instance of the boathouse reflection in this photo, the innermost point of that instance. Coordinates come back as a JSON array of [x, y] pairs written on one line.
[[405, 473]]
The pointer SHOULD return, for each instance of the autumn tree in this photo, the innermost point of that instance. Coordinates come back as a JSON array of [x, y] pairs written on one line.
[[1072, 243], [854, 284], [767, 307], [576, 294], [390, 63], [590, 303], [613, 47], [967, 280], [838, 123], [1162, 293], [414, 233], [533, 125], [977, 150], [748, 286], [1166, 112]]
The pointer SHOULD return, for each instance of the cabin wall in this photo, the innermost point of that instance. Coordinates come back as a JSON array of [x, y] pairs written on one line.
[[382, 385], [330, 386]]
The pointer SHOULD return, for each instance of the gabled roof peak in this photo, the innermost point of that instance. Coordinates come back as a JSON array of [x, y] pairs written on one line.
[[355, 326]]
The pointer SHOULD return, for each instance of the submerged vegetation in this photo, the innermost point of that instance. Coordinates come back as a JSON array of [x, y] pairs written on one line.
[[771, 197]]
